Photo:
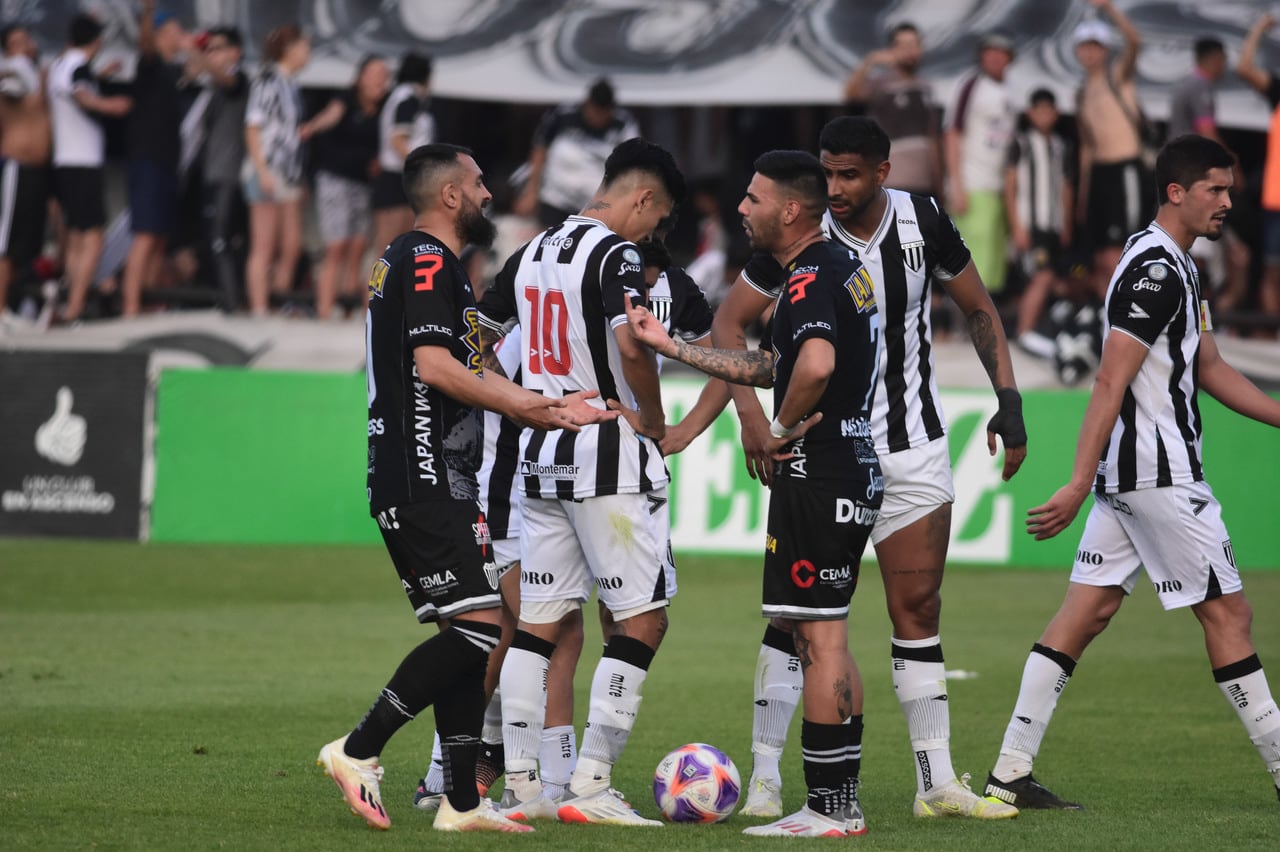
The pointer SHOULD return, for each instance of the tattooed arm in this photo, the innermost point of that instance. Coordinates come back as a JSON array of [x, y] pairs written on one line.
[[753, 367], [489, 351]]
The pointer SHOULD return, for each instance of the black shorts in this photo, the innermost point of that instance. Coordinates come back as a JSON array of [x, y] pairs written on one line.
[[816, 535], [1045, 252], [24, 200], [153, 198], [79, 193], [1121, 202], [388, 191], [443, 555]]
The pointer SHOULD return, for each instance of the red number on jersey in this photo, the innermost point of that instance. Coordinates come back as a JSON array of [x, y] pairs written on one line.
[[796, 286], [548, 332], [425, 267]]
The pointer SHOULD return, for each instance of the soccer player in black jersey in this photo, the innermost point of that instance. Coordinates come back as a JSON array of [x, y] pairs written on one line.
[[827, 485], [1139, 453], [425, 388]]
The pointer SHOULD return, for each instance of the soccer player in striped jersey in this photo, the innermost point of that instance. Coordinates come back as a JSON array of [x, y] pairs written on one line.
[[907, 243], [1139, 453], [595, 501], [425, 388]]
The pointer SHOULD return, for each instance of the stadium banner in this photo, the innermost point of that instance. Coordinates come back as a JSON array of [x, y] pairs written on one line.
[[72, 458], [695, 52], [274, 457]]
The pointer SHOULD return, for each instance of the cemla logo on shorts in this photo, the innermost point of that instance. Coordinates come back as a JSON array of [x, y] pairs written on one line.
[[803, 573]]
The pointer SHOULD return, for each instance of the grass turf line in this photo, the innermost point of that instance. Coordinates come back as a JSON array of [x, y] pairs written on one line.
[[157, 697]]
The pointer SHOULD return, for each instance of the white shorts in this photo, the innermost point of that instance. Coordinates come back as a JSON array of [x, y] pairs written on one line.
[[506, 552], [621, 544], [1175, 532], [916, 481]]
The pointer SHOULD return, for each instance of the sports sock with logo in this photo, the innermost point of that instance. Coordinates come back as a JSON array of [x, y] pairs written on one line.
[[523, 684], [920, 682], [1245, 685], [557, 758], [459, 716], [825, 766], [852, 758], [426, 673], [1043, 679], [615, 701], [434, 782], [778, 685]]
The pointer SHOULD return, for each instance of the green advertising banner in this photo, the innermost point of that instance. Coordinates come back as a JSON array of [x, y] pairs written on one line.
[[255, 456]]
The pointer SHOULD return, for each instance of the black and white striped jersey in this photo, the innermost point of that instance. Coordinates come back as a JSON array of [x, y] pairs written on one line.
[[915, 244], [499, 484], [1155, 297], [567, 288], [1041, 164]]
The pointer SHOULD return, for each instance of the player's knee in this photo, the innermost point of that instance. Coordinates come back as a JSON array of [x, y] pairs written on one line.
[[915, 614]]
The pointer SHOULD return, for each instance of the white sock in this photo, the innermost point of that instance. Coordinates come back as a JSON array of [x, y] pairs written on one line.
[[1245, 686], [434, 782], [1043, 678], [523, 683], [615, 700], [491, 730], [779, 684], [557, 759], [920, 682]]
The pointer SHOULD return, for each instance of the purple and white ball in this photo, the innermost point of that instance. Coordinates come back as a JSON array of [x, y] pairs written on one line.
[[696, 783]]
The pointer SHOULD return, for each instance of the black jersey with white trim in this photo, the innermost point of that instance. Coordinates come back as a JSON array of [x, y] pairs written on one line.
[[829, 296], [568, 288], [1155, 298], [423, 444]]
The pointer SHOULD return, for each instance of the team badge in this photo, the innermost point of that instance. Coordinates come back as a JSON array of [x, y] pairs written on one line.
[[660, 307], [630, 255], [913, 254], [378, 277], [1157, 272]]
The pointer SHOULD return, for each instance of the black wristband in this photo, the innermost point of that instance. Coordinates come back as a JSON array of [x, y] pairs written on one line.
[[1010, 400]]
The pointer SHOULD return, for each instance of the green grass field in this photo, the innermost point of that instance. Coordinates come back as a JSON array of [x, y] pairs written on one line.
[[165, 697]]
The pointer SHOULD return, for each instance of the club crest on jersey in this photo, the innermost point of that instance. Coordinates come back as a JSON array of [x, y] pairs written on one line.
[[913, 254], [862, 290], [660, 307], [378, 277], [630, 255], [1157, 272]]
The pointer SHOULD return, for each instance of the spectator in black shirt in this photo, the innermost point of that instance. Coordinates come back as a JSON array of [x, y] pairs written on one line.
[[223, 155], [153, 141], [346, 159]]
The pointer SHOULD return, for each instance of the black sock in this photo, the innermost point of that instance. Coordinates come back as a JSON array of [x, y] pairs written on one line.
[[852, 758], [780, 640], [426, 672], [459, 717], [824, 765]]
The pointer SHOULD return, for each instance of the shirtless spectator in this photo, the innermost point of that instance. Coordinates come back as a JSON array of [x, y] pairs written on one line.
[[1117, 194], [79, 146], [24, 158], [888, 88]]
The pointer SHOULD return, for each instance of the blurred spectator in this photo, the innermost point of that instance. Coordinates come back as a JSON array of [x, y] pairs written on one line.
[[272, 173], [570, 146], [1267, 82], [1224, 262], [400, 125], [1038, 203], [887, 86], [224, 153], [1117, 192], [24, 159], [153, 145], [346, 159], [979, 125], [76, 108]]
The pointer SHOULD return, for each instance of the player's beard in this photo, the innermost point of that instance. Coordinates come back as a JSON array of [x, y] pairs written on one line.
[[474, 227]]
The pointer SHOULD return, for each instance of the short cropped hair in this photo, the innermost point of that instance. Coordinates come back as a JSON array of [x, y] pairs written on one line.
[[426, 164], [231, 34], [655, 254], [1187, 159], [1042, 96], [800, 173], [414, 68], [903, 27], [1208, 46], [638, 155], [855, 134], [84, 30]]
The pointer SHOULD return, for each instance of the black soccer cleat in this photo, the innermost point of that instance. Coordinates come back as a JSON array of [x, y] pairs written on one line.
[[1027, 792]]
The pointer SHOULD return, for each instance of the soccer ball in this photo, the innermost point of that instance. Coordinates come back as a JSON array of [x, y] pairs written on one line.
[[696, 783]]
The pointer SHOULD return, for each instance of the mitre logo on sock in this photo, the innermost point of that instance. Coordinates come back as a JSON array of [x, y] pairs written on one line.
[[1238, 695]]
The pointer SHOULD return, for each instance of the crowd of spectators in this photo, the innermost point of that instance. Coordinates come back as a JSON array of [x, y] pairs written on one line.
[[246, 191]]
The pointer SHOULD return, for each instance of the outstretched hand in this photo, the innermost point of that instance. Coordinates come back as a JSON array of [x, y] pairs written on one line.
[[649, 331], [1053, 517], [656, 431], [570, 412]]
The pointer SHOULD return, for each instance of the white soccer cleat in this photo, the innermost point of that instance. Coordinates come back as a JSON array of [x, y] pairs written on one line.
[[764, 798], [608, 807], [803, 823], [483, 817], [539, 807], [358, 780], [955, 799]]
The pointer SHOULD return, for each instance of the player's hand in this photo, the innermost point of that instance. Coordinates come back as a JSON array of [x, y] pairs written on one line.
[[1008, 424], [678, 438], [1053, 517], [648, 330], [777, 446], [755, 445], [574, 407], [636, 421]]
